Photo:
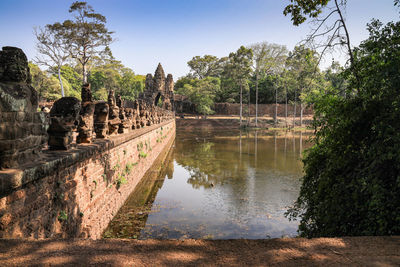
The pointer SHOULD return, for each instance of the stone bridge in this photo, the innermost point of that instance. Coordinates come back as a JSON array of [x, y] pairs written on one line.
[[66, 173]]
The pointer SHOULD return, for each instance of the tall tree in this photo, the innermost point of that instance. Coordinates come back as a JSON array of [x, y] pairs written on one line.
[[303, 65], [85, 36], [267, 59], [239, 67], [54, 52]]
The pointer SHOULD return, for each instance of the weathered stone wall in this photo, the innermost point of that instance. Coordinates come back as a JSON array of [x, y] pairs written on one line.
[[76, 193]]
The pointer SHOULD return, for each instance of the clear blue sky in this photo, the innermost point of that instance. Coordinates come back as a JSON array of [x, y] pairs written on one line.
[[172, 31]]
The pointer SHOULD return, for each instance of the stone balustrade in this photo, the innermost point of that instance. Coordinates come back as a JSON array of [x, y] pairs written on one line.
[[24, 131]]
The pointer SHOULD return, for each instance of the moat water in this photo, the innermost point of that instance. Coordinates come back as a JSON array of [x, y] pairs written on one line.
[[217, 184]]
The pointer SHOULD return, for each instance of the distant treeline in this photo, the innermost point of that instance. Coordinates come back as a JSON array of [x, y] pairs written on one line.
[[110, 74], [263, 73]]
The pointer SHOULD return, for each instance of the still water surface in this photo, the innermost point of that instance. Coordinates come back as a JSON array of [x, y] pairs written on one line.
[[217, 184]]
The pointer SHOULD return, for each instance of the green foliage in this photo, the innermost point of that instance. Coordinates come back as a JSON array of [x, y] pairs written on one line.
[[116, 167], [303, 77], [239, 65], [121, 181], [200, 92], [299, 10], [142, 154], [206, 66], [47, 86], [351, 184], [113, 75], [129, 167], [62, 216]]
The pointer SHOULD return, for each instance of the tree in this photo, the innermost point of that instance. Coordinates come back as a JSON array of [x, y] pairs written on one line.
[[201, 92], [48, 85], [329, 32], [303, 66], [86, 36], [239, 68], [203, 95], [268, 58], [73, 77], [206, 66], [130, 85], [351, 182], [54, 52]]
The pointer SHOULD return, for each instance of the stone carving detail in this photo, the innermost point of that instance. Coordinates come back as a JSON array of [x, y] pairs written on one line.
[[124, 123], [101, 119], [22, 128], [169, 93], [159, 91], [113, 114], [86, 93], [64, 119], [85, 127]]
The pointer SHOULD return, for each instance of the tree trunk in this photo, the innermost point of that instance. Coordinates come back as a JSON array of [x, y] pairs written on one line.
[[294, 111], [84, 62], [276, 106], [84, 71], [241, 104], [286, 106], [301, 114], [256, 97], [248, 109], [61, 84]]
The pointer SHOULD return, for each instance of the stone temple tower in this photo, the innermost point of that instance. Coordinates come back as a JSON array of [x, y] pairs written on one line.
[[159, 90]]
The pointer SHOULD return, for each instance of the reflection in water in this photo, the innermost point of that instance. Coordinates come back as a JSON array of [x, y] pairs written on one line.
[[224, 184]]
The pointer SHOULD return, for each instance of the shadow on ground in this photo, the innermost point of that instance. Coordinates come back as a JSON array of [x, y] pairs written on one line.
[[353, 251]]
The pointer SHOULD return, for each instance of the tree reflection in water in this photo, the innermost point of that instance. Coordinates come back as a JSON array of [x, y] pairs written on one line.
[[225, 184]]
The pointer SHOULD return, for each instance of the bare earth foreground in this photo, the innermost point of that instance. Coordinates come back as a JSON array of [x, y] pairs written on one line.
[[347, 251]]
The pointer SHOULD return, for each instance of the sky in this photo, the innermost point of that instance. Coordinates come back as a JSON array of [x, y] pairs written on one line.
[[172, 32]]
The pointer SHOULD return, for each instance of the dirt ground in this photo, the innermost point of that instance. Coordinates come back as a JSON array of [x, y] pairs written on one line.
[[347, 251]]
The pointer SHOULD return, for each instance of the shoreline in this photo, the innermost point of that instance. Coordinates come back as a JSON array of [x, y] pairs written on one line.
[[233, 122]]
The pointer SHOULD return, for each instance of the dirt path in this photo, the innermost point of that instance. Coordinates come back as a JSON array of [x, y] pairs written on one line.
[[348, 251]]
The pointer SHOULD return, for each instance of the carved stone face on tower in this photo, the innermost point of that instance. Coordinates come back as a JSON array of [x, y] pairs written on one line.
[[159, 79], [170, 84], [149, 82], [159, 90]]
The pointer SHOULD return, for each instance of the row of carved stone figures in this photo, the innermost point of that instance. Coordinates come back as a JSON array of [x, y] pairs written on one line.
[[24, 131], [98, 119]]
